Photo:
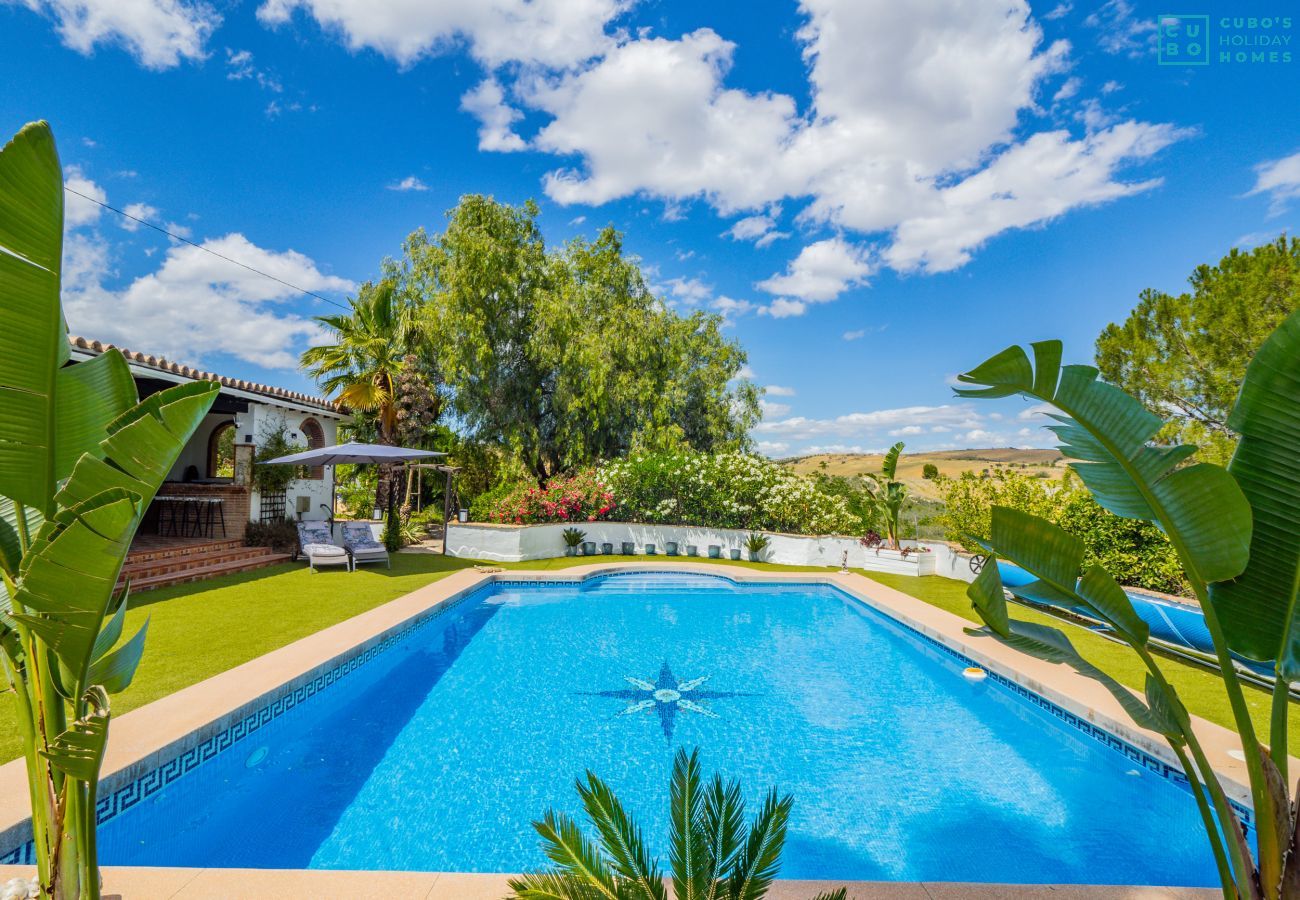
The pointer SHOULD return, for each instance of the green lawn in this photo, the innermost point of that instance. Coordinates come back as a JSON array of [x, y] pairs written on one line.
[[199, 630]]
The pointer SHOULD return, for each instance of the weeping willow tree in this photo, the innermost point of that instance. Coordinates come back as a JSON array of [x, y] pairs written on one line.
[[80, 461]]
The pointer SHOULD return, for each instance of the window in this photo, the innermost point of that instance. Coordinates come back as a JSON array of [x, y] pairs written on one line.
[[315, 436], [221, 451]]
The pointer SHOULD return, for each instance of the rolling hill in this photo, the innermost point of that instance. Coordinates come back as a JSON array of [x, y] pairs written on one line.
[[1044, 463]]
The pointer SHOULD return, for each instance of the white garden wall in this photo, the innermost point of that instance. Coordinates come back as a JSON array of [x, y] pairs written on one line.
[[516, 543]]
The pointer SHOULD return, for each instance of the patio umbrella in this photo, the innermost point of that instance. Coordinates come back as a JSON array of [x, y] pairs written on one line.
[[351, 454]]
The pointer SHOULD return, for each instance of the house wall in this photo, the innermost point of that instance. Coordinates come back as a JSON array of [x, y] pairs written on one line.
[[262, 420], [515, 543]]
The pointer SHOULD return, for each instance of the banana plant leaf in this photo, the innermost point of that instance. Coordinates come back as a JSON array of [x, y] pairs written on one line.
[[79, 751], [1052, 644], [1260, 609], [33, 343], [890, 465], [1108, 433]]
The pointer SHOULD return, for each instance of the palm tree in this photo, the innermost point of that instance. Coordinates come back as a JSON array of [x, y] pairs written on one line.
[[714, 856], [361, 368]]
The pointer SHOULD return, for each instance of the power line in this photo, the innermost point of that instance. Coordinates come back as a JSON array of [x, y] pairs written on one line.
[[186, 240]]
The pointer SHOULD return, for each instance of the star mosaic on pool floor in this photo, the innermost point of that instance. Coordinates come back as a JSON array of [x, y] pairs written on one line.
[[666, 696]]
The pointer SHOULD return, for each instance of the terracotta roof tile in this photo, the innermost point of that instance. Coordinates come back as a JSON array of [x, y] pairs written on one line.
[[164, 365]]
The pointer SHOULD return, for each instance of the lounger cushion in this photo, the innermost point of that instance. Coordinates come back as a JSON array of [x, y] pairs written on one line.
[[358, 538], [323, 550]]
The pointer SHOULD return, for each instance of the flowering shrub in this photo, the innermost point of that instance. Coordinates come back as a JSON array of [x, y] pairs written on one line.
[[724, 490], [580, 498]]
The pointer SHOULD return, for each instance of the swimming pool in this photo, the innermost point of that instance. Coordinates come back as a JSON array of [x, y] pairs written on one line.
[[437, 752]]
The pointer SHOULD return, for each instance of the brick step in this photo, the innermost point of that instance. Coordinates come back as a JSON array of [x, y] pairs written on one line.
[[150, 567], [201, 573], [180, 550]]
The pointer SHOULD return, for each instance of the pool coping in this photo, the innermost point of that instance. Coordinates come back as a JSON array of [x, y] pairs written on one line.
[[166, 730]]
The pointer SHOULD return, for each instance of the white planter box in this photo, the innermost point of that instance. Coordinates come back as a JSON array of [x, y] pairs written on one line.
[[517, 543]]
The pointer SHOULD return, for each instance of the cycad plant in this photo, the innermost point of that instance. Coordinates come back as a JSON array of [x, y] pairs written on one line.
[[80, 461], [1237, 535], [888, 494], [714, 855]]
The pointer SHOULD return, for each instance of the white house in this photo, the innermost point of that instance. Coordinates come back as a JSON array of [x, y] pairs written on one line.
[[214, 471]]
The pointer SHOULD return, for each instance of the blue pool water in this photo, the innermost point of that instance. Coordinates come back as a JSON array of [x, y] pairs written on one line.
[[436, 754]]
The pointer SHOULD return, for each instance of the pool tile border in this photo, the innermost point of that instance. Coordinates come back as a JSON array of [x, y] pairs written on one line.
[[287, 696]]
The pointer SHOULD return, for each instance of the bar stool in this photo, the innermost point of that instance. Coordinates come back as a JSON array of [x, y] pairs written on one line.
[[215, 512]]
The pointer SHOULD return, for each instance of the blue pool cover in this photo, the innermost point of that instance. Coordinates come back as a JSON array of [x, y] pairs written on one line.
[[1180, 624]]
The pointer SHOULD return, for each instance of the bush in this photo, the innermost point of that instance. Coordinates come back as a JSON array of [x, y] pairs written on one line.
[[725, 490], [930, 472], [579, 498], [282, 536], [273, 479], [1137, 553]]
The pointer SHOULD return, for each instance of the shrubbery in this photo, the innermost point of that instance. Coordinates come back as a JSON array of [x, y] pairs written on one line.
[[580, 498], [1137, 553], [724, 490]]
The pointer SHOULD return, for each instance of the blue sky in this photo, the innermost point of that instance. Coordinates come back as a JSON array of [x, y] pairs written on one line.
[[877, 195]]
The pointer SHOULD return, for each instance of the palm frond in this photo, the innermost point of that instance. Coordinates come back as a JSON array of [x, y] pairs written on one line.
[[722, 825], [760, 859], [577, 857], [687, 839], [621, 839]]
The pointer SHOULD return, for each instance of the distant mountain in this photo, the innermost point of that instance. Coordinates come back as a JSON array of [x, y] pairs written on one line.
[[1042, 463]]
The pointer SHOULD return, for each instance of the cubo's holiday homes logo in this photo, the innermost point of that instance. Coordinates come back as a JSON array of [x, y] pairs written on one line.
[[1198, 40]]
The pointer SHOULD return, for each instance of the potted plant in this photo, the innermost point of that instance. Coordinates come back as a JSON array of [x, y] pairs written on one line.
[[670, 547], [734, 553], [629, 548], [607, 549], [588, 548], [715, 551], [650, 550], [756, 543], [572, 538]]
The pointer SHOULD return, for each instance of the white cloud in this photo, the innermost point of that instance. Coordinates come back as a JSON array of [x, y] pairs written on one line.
[[1280, 179], [760, 229], [870, 424], [920, 125], [1036, 412], [409, 183], [577, 220], [652, 117], [781, 308], [979, 435], [77, 210], [1032, 182], [773, 410], [139, 211], [1121, 29], [855, 335], [557, 33], [487, 103], [158, 33], [1060, 11], [907, 431], [1111, 87], [777, 390], [772, 448], [1068, 89], [240, 67], [821, 272], [194, 304], [684, 291]]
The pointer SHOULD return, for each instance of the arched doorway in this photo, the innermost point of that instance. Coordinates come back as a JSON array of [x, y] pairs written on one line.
[[221, 451], [315, 435]]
